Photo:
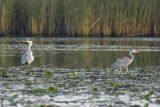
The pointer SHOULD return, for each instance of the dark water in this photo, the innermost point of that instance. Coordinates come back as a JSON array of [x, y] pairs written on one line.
[[71, 72]]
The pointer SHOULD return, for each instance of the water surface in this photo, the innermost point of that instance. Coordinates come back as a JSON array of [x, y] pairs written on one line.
[[81, 52], [69, 72]]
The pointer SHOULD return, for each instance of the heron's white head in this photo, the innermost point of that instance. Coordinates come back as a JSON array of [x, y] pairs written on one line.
[[133, 50], [30, 43]]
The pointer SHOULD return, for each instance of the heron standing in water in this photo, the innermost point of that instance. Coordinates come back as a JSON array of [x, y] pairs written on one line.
[[124, 62], [27, 57]]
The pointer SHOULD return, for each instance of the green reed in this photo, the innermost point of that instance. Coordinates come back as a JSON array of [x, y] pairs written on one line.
[[80, 17]]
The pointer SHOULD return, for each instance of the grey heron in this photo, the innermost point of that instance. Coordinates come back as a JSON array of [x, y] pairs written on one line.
[[27, 57], [124, 62]]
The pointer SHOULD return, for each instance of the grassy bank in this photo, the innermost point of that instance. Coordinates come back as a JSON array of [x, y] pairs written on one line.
[[80, 17]]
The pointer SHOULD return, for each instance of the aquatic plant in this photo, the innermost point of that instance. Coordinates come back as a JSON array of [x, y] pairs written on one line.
[[48, 74], [40, 91], [37, 91], [146, 105], [74, 75], [135, 106], [95, 89], [148, 95], [157, 101], [53, 89], [4, 74]]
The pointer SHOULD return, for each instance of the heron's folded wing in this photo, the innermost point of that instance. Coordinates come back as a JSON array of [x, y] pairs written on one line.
[[24, 58], [121, 62]]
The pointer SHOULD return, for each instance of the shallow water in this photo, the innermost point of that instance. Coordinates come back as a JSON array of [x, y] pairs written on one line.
[[69, 72], [81, 52]]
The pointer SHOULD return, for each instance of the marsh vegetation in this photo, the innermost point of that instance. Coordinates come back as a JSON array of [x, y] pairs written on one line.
[[80, 17]]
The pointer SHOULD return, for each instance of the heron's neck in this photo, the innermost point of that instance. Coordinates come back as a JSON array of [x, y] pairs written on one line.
[[131, 55], [29, 47]]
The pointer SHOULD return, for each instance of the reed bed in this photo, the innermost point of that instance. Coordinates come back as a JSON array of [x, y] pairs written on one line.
[[80, 17]]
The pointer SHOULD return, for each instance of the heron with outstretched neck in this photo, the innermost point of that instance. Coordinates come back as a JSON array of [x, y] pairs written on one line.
[[124, 62], [27, 57]]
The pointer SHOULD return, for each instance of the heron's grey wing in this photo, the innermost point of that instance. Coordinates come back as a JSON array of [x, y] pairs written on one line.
[[24, 58], [121, 62]]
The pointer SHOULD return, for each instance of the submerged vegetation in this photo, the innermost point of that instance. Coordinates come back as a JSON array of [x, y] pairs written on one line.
[[80, 17], [92, 87]]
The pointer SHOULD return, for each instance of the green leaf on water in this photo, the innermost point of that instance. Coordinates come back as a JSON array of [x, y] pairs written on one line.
[[52, 89], [4, 74], [94, 89], [47, 106], [115, 84], [38, 91], [147, 96], [48, 74], [74, 75], [121, 92], [14, 96], [157, 101], [146, 105], [135, 106]]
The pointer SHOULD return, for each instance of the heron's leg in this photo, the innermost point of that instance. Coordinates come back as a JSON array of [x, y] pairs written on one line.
[[123, 67], [126, 68], [120, 68], [29, 68]]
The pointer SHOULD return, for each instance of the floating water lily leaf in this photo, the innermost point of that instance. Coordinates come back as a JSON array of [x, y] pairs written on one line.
[[4, 74], [147, 96], [47, 106], [95, 89], [14, 96], [52, 89], [48, 74], [135, 106], [74, 75], [38, 91], [157, 101], [115, 84], [146, 105]]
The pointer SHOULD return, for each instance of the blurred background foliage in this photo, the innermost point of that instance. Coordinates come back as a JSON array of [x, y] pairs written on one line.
[[80, 17]]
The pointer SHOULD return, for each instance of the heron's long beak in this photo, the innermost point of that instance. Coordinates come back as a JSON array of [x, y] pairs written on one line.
[[136, 51]]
